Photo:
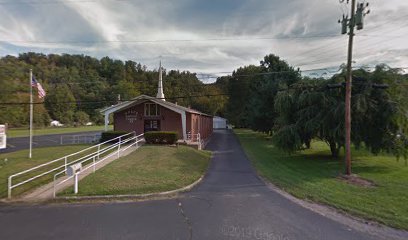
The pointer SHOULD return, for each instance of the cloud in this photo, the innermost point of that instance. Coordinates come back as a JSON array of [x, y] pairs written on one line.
[[144, 30], [102, 18]]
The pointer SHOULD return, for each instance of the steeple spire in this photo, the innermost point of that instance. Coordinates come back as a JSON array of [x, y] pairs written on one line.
[[160, 94]]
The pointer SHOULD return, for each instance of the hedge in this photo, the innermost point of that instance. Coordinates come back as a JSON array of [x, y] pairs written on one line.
[[106, 136], [161, 137]]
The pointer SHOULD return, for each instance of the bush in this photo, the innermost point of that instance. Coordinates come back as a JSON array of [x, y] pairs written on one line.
[[106, 136], [98, 118], [81, 118], [161, 137]]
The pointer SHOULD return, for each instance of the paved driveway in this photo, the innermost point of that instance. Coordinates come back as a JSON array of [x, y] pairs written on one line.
[[20, 143], [231, 203]]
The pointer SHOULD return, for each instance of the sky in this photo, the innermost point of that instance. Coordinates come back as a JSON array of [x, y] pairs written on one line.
[[209, 37]]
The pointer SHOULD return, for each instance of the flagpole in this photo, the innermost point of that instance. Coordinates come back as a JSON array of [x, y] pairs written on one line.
[[31, 114]]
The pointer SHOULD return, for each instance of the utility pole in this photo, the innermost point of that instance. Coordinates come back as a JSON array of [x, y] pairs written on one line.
[[356, 19]]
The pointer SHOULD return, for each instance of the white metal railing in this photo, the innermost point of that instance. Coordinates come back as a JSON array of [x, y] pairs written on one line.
[[135, 140], [198, 138], [195, 138], [78, 139], [64, 161]]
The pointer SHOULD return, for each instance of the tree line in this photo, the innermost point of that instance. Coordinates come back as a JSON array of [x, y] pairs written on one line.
[[274, 98], [79, 86]]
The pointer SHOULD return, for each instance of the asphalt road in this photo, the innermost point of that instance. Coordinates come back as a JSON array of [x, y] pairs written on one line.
[[231, 203], [20, 143]]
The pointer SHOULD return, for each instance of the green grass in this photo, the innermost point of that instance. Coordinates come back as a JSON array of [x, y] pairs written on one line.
[[312, 174], [19, 161], [20, 132], [149, 169]]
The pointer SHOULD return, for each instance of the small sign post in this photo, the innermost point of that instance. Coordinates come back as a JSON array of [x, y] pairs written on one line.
[[74, 170], [3, 137], [76, 183]]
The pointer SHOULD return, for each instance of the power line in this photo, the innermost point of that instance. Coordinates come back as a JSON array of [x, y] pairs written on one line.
[[55, 2], [145, 89], [189, 40], [325, 50], [5, 104], [109, 101], [213, 76], [330, 55], [173, 40]]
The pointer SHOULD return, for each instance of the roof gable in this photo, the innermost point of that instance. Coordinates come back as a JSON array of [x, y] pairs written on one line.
[[142, 98]]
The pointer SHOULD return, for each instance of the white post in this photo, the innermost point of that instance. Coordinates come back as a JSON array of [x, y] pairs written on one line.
[[31, 115], [54, 191], [106, 121], [66, 162], [9, 187], [199, 141], [119, 146], [99, 149], [184, 125], [199, 124], [94, 167], [76, 183]]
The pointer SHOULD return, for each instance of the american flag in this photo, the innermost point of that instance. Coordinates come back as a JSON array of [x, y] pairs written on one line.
[[36, 84]]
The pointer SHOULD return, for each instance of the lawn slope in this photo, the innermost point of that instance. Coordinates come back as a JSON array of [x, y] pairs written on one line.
[[14, 162], [149, 169]]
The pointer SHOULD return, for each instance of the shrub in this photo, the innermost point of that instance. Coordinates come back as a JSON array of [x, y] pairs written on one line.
[[161, 137], [81, 118], [106, 136]]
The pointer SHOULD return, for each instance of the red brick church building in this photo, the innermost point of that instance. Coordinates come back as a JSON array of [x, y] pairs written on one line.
[[145, 113]]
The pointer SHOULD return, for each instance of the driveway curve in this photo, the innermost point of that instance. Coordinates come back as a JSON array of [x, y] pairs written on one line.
[[230, 203]]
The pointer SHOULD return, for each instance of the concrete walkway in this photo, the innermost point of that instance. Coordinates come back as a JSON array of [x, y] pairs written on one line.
[[47, 191]]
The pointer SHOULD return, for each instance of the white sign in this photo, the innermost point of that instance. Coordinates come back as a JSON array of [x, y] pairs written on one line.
[[3, 141], [3, 137], [131, 115]]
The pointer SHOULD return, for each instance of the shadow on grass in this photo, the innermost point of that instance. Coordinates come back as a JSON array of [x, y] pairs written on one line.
[[312, 174], [311, 165], [372, 169]]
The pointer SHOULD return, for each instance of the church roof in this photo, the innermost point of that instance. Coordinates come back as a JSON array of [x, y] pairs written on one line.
[[143, 98]]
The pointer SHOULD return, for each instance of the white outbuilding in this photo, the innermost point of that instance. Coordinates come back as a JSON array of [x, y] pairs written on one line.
[[55, 123], [219, 123]]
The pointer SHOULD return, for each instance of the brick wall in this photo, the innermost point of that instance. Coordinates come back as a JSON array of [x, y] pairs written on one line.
[[133, 119]]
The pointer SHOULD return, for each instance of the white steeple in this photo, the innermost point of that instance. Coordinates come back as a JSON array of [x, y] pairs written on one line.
[[160, 94]]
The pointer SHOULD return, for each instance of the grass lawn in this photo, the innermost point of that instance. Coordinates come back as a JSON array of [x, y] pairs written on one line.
[[149, 169], [18, 161], [20, 132], [312, 174]]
